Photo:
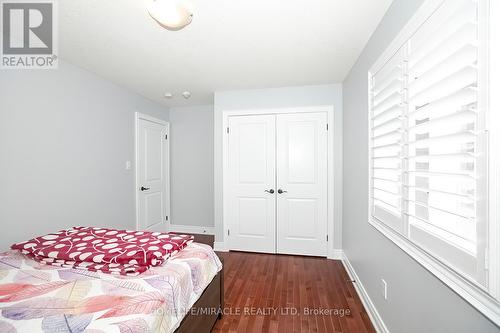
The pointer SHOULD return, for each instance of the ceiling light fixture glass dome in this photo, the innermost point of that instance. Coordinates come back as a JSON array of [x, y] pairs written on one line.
[[170, 14]]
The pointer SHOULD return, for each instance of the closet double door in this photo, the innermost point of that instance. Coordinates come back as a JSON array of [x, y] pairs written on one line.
[[277, 183]]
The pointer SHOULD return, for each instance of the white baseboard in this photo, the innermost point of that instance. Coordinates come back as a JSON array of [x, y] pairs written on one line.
[[336, 254], [191, 229], [220, 246], [375, 317]]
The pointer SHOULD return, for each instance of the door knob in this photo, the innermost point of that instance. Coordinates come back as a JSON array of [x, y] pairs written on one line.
[[280, 191], [270, 191], [144, 188]]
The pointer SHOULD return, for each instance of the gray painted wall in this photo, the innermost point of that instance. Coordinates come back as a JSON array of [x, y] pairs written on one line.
[[417, 301], [64, 138], [191, 165], [278, 98]]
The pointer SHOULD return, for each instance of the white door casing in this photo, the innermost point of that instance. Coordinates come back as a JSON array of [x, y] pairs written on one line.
[[302, 208], [251, 178], [152, 172]]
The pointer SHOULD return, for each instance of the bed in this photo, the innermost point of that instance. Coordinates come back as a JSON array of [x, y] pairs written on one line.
[[185, 294]]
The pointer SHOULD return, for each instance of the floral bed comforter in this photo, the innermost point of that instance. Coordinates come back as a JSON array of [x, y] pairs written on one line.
[[41, 298]]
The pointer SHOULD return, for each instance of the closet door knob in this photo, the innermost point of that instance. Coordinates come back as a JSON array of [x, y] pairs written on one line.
[[280, 191], [144, 188], [270, 191]]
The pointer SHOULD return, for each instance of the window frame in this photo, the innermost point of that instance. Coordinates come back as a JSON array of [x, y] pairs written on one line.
[[485, 299]]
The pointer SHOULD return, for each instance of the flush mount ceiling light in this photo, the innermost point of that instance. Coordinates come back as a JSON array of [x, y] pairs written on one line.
[[170, 14]]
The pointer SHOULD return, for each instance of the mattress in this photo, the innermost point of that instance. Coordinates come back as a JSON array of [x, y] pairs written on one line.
[[40, 298]]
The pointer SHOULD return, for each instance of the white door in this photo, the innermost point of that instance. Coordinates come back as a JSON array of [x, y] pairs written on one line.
[[277, 183], [152, 162], [251, 202], [302, 183]]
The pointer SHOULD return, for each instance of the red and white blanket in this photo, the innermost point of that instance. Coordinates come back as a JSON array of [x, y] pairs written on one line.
[[124, 252]]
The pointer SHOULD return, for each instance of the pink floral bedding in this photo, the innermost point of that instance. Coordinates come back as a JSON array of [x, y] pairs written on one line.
[[42, 298]]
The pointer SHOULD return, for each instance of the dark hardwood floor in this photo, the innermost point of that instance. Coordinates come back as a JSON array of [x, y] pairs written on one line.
[[263, 287], [281, 293]]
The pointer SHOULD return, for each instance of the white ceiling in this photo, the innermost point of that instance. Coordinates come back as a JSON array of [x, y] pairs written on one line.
[[231, 44]]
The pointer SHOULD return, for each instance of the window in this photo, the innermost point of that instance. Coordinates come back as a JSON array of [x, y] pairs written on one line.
[[430, 149]]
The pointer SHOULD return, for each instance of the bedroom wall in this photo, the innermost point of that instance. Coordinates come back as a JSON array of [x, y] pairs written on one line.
[[417, 300], [330, 94], [191, 168], [65, 135]]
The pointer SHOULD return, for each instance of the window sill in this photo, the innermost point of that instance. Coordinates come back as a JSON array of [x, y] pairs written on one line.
[[477, 297]]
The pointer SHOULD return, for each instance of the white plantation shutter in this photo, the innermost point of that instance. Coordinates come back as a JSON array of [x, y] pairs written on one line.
[[427, 140], [387, 110], [444, 137]]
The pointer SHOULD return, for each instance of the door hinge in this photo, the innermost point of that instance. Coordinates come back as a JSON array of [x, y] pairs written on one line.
[[227, 130], [166, 136], [228, 232], [166, 218], [327, 238], [327, 126]]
